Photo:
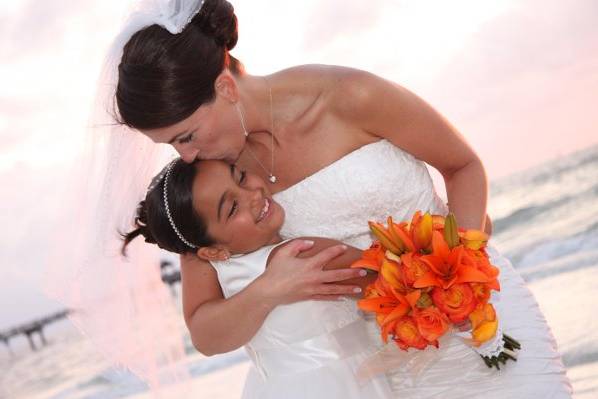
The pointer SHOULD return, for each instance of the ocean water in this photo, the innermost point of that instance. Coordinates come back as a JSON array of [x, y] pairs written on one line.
[[545, 221]]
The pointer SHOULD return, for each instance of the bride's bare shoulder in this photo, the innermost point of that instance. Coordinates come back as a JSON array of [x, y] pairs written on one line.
[[321, 74], [344, 88]]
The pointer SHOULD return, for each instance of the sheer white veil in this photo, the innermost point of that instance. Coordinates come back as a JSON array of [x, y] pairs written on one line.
[[120, 303]]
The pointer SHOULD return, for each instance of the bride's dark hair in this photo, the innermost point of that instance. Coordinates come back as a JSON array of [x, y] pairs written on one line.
[[163, 77], [151, 220]]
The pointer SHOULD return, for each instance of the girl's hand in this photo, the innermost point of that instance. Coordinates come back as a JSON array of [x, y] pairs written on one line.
[[289, 278]]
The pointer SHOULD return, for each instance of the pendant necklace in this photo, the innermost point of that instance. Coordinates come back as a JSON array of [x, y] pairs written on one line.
[[271, 176]]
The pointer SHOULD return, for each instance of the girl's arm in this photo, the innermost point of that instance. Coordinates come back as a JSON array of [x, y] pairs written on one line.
[[387, 110], [217, 324]]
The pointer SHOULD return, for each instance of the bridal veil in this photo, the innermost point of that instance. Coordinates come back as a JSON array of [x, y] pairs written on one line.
[[119, 303]]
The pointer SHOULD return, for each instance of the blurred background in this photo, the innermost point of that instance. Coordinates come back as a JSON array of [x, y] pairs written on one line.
[[519, 79]]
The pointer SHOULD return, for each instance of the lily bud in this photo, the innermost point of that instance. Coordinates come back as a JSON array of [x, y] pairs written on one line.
[[384, 237], [392, 230], [390, 272], [451, 235], [422, 231]]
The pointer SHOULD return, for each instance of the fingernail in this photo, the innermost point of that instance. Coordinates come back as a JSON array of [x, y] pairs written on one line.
[[344, 247], [308, 242], [363, 273], [357, 290]]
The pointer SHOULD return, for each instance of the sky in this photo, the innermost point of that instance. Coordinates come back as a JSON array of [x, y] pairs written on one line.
[[519, 79]]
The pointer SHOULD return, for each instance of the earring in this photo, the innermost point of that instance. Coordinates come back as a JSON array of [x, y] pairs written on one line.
[[242, 120]]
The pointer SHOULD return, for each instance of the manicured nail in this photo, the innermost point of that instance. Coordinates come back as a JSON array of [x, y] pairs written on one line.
[[357, 290], [363, 273]]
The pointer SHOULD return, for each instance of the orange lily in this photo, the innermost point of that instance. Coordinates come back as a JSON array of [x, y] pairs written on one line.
[[393, 307], [447, 267], [399, 234], [371, 258], [479, 260]]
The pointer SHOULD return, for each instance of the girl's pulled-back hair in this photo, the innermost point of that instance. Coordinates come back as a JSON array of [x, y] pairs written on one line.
[[163, 77], [152, 222]]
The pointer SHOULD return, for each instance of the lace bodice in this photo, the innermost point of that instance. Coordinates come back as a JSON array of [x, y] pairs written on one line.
[[370, 183]]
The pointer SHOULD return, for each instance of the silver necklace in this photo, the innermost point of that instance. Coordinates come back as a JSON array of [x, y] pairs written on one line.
[[271, 176]]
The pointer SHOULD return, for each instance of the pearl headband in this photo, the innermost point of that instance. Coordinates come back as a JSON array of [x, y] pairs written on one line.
[[165, 196]]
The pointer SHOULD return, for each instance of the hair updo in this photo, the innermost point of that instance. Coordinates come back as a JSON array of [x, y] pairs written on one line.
[[163, 77], [151, 220]]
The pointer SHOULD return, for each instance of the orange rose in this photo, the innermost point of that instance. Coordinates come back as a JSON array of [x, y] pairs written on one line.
[[431, 323], [412, 268], [457, 302], [407, 335], [474, 239], [481, 292], [484, 323]]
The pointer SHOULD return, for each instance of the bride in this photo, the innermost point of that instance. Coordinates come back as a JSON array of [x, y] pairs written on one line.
[[339, 147]]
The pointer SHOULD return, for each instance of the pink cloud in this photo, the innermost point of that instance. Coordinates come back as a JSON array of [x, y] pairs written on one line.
[[526, 86]]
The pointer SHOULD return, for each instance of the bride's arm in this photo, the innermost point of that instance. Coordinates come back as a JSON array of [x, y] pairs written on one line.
[[342, 261], [384, 109], [217, 324]]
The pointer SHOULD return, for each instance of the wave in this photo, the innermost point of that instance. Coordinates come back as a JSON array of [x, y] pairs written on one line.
[[548, 171]]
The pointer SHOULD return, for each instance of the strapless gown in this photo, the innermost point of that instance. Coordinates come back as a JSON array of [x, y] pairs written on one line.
[[371, 183]]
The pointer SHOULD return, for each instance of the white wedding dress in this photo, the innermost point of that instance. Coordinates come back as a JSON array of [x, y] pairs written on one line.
[[301, 351]]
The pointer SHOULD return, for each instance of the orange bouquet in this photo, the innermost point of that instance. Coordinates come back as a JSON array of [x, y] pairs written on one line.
[[433, 277]]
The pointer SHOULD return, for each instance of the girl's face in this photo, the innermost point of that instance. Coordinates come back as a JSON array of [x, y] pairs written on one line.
[[239, 211]]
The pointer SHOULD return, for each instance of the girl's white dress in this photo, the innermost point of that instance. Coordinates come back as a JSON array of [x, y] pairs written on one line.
[[308, 349], [312, 349]]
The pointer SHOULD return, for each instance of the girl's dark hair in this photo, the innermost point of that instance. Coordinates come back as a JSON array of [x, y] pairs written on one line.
[[151, 220], [163, 77]]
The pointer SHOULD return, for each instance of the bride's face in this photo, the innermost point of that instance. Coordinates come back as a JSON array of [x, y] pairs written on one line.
[[213, 131], [237, 207]]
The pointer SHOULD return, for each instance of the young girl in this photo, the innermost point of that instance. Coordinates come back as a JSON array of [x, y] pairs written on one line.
[[227, 217]]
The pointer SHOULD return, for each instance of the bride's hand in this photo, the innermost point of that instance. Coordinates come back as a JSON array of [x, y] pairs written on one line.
[[290, 278], [488, 225]]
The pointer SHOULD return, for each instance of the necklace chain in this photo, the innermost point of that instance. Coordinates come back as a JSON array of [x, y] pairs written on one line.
[[271, 176]]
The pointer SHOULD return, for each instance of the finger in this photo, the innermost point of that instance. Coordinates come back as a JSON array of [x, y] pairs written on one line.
[[327, 297], [294, 247], [337, 289], [332, 276], [326, 255]]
